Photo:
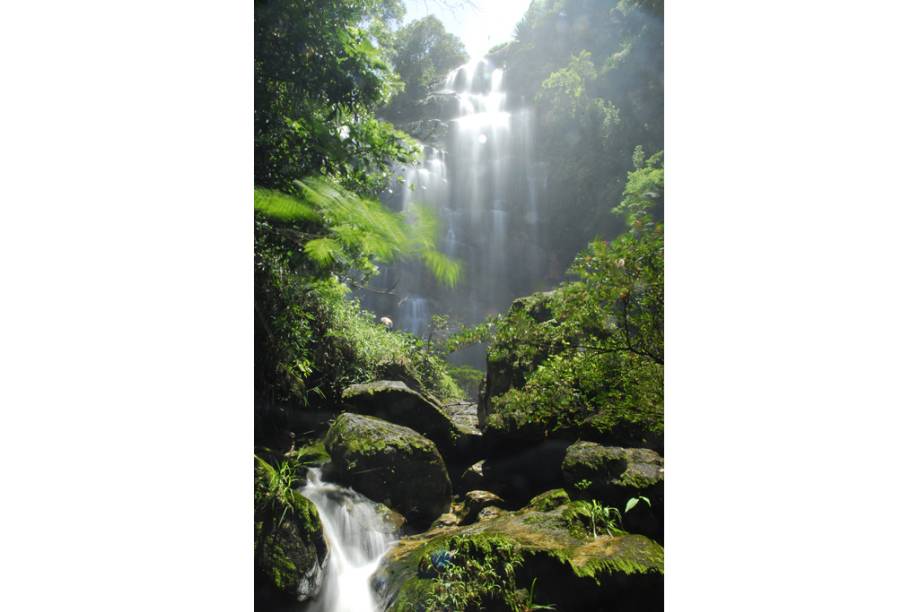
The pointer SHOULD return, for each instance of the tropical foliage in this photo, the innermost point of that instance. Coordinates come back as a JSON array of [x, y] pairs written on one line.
[[593, 354], [321, 158], [421, 52], [471, 572], [594, 71]]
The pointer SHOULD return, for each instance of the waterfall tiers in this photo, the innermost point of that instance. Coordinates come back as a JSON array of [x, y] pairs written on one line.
[[480, 178]]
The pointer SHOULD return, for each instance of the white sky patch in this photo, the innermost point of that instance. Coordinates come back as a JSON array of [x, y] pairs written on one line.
[[489, 23]]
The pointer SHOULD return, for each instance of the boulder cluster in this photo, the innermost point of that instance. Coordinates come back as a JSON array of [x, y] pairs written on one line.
[[431, 463]]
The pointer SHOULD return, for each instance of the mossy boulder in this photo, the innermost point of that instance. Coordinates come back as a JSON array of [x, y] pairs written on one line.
[[573, 570], [505, 369], [391, 464], [396, 402], [617, 474], [549, 500], [290, 551]]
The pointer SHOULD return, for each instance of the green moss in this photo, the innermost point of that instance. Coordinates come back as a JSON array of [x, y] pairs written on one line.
[[576, 519], [288, 532], [344, 433], [549, 500], [637, 480], [312, 455], [390, 464], [530, 534], [627, 554]]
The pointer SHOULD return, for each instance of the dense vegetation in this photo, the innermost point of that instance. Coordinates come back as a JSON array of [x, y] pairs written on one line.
[[594, 72], [422, 52], [587, 359], [583, 361], [321, 158]]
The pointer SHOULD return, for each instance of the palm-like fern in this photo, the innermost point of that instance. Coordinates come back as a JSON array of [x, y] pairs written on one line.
[[338, 228]]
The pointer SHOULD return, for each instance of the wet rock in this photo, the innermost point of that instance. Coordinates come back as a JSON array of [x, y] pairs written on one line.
[[290, 551], [550, 500], [463, 414], [447, 519]]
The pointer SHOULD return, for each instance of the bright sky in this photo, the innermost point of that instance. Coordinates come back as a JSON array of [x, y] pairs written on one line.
[[480, 24]]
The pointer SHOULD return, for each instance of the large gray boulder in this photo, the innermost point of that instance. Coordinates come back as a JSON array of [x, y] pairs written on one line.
[[391, 464], [396, 402]]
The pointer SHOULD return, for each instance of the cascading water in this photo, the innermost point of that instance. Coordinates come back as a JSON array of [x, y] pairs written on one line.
[[357, 539], [486, 188]]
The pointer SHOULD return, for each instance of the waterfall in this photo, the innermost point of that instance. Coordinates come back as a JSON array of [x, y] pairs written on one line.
[[414, 314], [481, 178], [357, 539]]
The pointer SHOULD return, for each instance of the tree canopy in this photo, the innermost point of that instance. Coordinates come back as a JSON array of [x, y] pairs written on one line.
[[421, 52]]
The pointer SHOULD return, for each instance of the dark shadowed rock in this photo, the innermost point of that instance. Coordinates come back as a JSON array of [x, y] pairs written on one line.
[[617, 474], [475, 501], [290, 551], [473, 477], [520, 475]]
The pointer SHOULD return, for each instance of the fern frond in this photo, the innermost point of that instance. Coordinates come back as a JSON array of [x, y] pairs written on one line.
[[424, 225], [324, 251], [283, 207], [444, 268]]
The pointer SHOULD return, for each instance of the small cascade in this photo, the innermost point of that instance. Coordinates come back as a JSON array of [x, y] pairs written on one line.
[[414, 314], [357, 539]]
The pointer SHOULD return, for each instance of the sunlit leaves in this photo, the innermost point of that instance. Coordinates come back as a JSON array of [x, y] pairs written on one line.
[[342, 230], [425, 225], [324, 251], [317, 70], [445, 269], [644, 188], [282, 207]]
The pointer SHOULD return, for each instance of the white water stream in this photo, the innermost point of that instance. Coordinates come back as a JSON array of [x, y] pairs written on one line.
[[357, 539]]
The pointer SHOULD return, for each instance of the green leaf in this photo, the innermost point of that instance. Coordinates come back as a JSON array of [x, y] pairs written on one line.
[[323, 251], [445, 269]]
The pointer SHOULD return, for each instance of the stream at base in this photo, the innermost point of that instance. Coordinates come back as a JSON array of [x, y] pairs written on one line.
[[357, 538]]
